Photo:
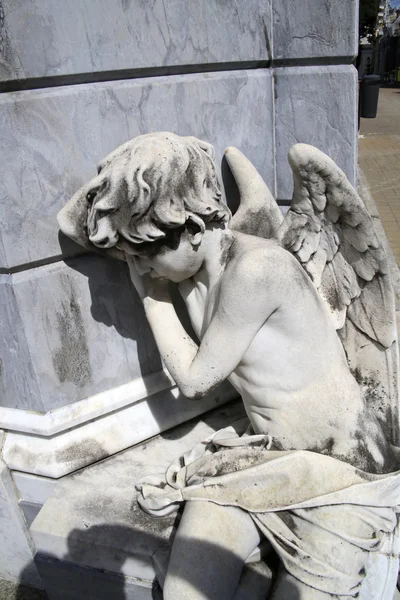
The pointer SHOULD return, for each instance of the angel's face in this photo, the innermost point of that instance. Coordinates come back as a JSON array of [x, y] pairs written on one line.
[[165, 261]]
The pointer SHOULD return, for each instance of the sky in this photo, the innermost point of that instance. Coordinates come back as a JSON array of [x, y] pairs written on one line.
[[395, 3]]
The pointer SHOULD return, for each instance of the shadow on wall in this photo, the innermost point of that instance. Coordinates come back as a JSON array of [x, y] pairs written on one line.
[[115, 303], [66, 580]]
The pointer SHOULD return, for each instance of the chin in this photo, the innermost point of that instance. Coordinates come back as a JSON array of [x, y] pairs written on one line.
[[178, 277]]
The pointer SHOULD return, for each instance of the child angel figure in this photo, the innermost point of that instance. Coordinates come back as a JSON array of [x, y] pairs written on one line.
[[287, 310]]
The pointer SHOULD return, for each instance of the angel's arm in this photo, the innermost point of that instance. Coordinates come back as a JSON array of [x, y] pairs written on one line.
[[241, 311]]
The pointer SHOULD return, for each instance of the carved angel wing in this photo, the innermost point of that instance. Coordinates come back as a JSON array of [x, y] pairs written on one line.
[[258, 213], [330, 232]]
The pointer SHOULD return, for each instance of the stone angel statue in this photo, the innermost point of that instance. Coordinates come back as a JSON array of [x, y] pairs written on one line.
[[298, 314]]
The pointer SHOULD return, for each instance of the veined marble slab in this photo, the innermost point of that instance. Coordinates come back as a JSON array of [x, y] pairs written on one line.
[[94, 35], [80, 329], [317, 106], [311, 29], [53, 139]]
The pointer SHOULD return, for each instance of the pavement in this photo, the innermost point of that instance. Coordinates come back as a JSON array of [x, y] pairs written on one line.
[[379, 161]]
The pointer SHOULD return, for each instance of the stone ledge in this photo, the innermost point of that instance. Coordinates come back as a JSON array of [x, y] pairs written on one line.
[[94, 440], [92, 519], [72, 415]]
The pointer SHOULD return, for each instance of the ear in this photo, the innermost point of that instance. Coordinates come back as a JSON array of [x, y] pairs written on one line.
[[196, 228], [72, 222]]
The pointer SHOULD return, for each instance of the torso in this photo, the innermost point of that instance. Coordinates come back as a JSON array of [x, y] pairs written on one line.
[[294, 379]]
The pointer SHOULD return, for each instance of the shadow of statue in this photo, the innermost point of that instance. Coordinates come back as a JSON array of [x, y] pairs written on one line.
[[115, 303], [101, 560]]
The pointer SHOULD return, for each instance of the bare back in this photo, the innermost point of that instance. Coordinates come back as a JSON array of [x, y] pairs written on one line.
[[293, 378]]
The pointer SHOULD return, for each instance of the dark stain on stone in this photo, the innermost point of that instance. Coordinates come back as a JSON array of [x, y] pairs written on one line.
[[225, 250], [333, 299], [375, 395], [267, 42], [9, 61], [81, 454], [71, 361]]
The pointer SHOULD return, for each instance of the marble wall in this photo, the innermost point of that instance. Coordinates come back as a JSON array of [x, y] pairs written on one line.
[[80, 376], [78, 79]]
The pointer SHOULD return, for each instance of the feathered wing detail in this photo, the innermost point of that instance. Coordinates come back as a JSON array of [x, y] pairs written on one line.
[[330, 232], [258, 213]]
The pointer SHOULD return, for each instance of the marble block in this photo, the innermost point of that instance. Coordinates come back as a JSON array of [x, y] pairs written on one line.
[[318, 106], [18, 386], [53, 139], [93, 36], [16, 547], [82, 331], [313, 29]]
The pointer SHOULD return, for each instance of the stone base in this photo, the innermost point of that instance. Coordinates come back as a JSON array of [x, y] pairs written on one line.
[[16, 547], [91, 532]]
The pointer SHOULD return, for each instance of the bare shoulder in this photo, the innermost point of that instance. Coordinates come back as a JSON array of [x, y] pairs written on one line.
[[258, 272], [253, 258]]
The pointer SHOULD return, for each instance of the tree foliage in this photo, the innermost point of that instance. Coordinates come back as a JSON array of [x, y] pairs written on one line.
[[368, 13]]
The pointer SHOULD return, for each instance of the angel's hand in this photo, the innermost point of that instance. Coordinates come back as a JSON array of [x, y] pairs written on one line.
[[146, 286]]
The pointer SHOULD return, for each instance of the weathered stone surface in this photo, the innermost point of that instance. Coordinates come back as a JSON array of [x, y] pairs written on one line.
[[93, 518], [314, 29], [16, 556], [130, 35], [52, 141], [18, 385], [315, 105], [84, 332], [73, 449]]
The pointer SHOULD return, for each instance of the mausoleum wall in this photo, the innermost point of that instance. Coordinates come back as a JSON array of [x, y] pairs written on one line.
[[79, 366]]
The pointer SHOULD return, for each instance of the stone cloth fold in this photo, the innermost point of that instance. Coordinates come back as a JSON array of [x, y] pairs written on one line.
[[323, 516]]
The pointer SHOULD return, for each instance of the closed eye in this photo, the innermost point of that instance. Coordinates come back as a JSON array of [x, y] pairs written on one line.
[[105, 212]]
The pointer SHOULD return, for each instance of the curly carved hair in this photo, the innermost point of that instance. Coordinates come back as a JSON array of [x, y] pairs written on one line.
[[154, 184]]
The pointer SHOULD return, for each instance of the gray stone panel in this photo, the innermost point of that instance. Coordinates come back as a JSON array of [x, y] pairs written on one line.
[[17, 548], [318, 106], [85, 330], [314, 29], [49, 37], [53, 139], [18, 387]]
